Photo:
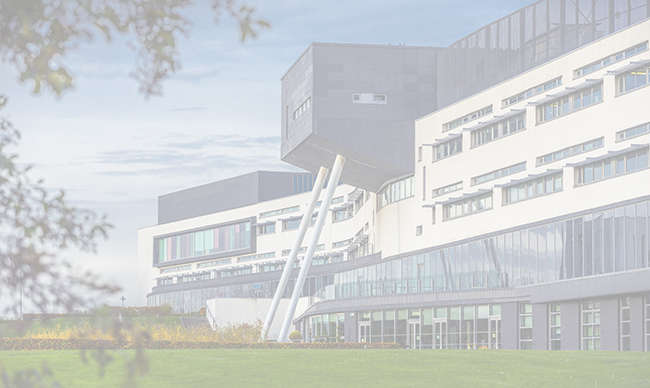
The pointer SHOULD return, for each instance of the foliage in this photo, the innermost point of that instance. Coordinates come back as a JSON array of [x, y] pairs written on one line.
[[36, 35], [295, 335]]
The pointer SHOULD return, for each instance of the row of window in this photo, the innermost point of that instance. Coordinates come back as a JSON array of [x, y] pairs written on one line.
[[497, 174], [610, 60], [611, 167], [633, 132], [447, 189], [214, 240], [448, 148], [632, 80], [259, 256], [604, 241], [279, 212], [396, 191], [532, 188], [534, 91], [304, 107], [467, 206], [570, 151], [570, 103], [498, 130], [467, 118], [369, 98]]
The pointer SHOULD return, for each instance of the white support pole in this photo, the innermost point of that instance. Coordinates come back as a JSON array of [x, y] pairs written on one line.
[[288, 267], [306, 262]]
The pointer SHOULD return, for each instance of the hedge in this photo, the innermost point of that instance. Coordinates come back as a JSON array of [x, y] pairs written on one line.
[[72, 344]]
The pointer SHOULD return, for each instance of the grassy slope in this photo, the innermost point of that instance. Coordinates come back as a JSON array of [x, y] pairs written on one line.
[[355, 368]]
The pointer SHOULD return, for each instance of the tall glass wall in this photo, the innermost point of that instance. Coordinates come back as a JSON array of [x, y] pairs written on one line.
[[612, 240], [527, 38]]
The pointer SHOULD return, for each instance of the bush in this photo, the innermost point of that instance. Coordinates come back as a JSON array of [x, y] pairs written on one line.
[[295, 335]]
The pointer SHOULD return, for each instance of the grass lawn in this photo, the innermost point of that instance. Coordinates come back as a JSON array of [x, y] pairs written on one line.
[[352, 368]]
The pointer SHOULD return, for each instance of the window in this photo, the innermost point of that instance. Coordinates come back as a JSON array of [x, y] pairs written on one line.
[[498, 130], [467, 118], [633, 132], [625, 324], [279, 212], [342, 214], [554, 326], [424, 183], [180, 268], [467, 206], [534, 91], [532, 188], [610, 167], [447, 189], [570, 103], [337, 200], [300, 110], [419, 153], [570, 151], [610, 60], [214, 263], [418, 230], [396, 191], [340, 244], [525, 326], [268, 228], [590, 322], [369, 98], [647, 322], [291, 224], [632, 80], [210, 241], [500, 173], [448, 148]]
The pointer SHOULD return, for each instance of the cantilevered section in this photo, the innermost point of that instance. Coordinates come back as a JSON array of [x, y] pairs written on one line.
[[359, 101]]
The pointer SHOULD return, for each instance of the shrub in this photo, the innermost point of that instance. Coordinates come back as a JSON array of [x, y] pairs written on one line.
[[295, 335]]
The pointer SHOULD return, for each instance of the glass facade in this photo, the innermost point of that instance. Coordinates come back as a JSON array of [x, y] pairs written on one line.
[[527, 38], [570, 103], [605, 241], [214, 240], [590, 323]]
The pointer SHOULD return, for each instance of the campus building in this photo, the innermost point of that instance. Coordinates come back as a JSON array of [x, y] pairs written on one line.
[[496, 193]]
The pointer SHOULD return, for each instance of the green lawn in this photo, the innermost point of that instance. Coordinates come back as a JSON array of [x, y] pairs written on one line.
[[353, 368]]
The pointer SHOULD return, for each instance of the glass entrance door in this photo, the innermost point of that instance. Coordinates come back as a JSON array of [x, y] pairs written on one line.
[[440, 334], [495, 332], [364, 332], [414, 335]]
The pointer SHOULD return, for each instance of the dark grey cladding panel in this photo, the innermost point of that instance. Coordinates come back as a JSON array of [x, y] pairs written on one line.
[[375, 137], [227, 194], [632, 282]]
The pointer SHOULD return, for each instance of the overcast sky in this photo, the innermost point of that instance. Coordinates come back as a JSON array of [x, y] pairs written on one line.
[[115, 152]]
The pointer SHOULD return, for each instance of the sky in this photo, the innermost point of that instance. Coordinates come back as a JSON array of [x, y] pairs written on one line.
[[115, 152]]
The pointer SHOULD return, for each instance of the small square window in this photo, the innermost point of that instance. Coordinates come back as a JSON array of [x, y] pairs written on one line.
[[418, 230]]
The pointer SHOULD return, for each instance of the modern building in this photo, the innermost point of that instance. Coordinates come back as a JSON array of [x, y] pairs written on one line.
[[516, 216]]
